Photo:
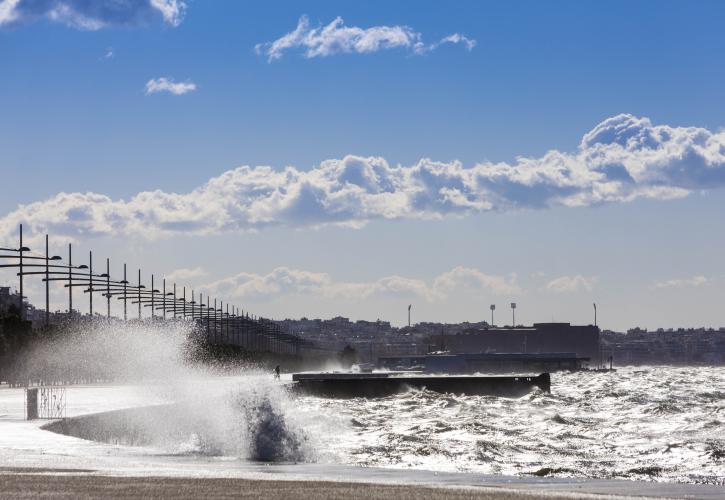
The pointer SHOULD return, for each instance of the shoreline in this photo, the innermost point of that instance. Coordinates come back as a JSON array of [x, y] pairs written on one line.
[[68, 485]]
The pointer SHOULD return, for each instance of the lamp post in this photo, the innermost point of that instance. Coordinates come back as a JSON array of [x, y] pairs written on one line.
[[21, 249], [90, 284], [48, 258], [47, 284], [595, 313], [493, 308], [409, 306], [513, 314], [70, 280], [108, 289], [125, 285]]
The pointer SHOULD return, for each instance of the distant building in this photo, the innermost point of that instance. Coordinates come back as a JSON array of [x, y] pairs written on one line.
[[582, 340]]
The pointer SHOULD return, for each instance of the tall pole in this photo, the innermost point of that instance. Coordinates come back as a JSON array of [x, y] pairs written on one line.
[[409, 306], [164, 299], [595, 314], [493, 308], [47, 284], [139, 294], [108, 288], [153, 292], [90, 284], [184, 305], [70, 279], [22, 302], [215, 321], [174, 300], [513, 314], [125, 304]]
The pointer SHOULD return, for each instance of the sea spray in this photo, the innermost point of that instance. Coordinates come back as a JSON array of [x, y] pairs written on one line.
[[204, 410]]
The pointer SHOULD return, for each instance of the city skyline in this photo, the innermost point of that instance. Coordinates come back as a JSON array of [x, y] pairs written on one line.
[[343, 160]]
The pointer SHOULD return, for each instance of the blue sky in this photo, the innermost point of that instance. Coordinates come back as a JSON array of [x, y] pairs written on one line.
[[75, 119]]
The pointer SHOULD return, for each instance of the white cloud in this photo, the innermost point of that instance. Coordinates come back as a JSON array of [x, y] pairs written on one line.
[[92, 15], [622, 159], [694, 281], [336, 38], [285, 281], [8, 12], [185, 275], [171, 10], [571, 284], [164, 84], [108, 54]]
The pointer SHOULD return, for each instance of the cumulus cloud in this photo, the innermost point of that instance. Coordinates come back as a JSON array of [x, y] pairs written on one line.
[[570, 284], [184, 274], [694, 281], [284, 281], [622, 159], [92, 15], [336, 38], [163, 84]]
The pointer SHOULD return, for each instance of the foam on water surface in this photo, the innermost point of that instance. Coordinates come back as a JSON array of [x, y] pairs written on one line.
[[652, 423]]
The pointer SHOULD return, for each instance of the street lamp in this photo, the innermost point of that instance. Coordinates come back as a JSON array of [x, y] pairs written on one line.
[[48, 258], [493, 308], [513, 314], [595, 314]]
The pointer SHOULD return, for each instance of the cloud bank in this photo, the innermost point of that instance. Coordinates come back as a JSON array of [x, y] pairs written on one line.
[[163, 84], [571, 284], [285, 281], [622, 159], [692, 282], [92, 15], [336, 38], [185, 274]]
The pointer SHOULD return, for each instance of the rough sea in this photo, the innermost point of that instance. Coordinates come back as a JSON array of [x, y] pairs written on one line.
[[652, 423], [647, 423]]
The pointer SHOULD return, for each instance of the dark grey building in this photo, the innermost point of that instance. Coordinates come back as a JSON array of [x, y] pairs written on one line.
[[582, 340]]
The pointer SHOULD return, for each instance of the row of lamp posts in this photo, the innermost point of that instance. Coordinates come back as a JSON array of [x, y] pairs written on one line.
[[221, 325]]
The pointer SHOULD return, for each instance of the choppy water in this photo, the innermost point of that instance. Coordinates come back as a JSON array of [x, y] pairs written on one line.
[[655, 423]]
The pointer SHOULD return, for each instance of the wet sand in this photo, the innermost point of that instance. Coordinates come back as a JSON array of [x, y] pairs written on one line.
[[29, 485]]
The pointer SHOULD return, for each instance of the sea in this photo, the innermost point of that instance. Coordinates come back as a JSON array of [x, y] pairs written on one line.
[[656, 423]]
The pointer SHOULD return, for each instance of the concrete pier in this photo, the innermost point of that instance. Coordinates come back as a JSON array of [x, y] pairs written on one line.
[[346, 385]]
